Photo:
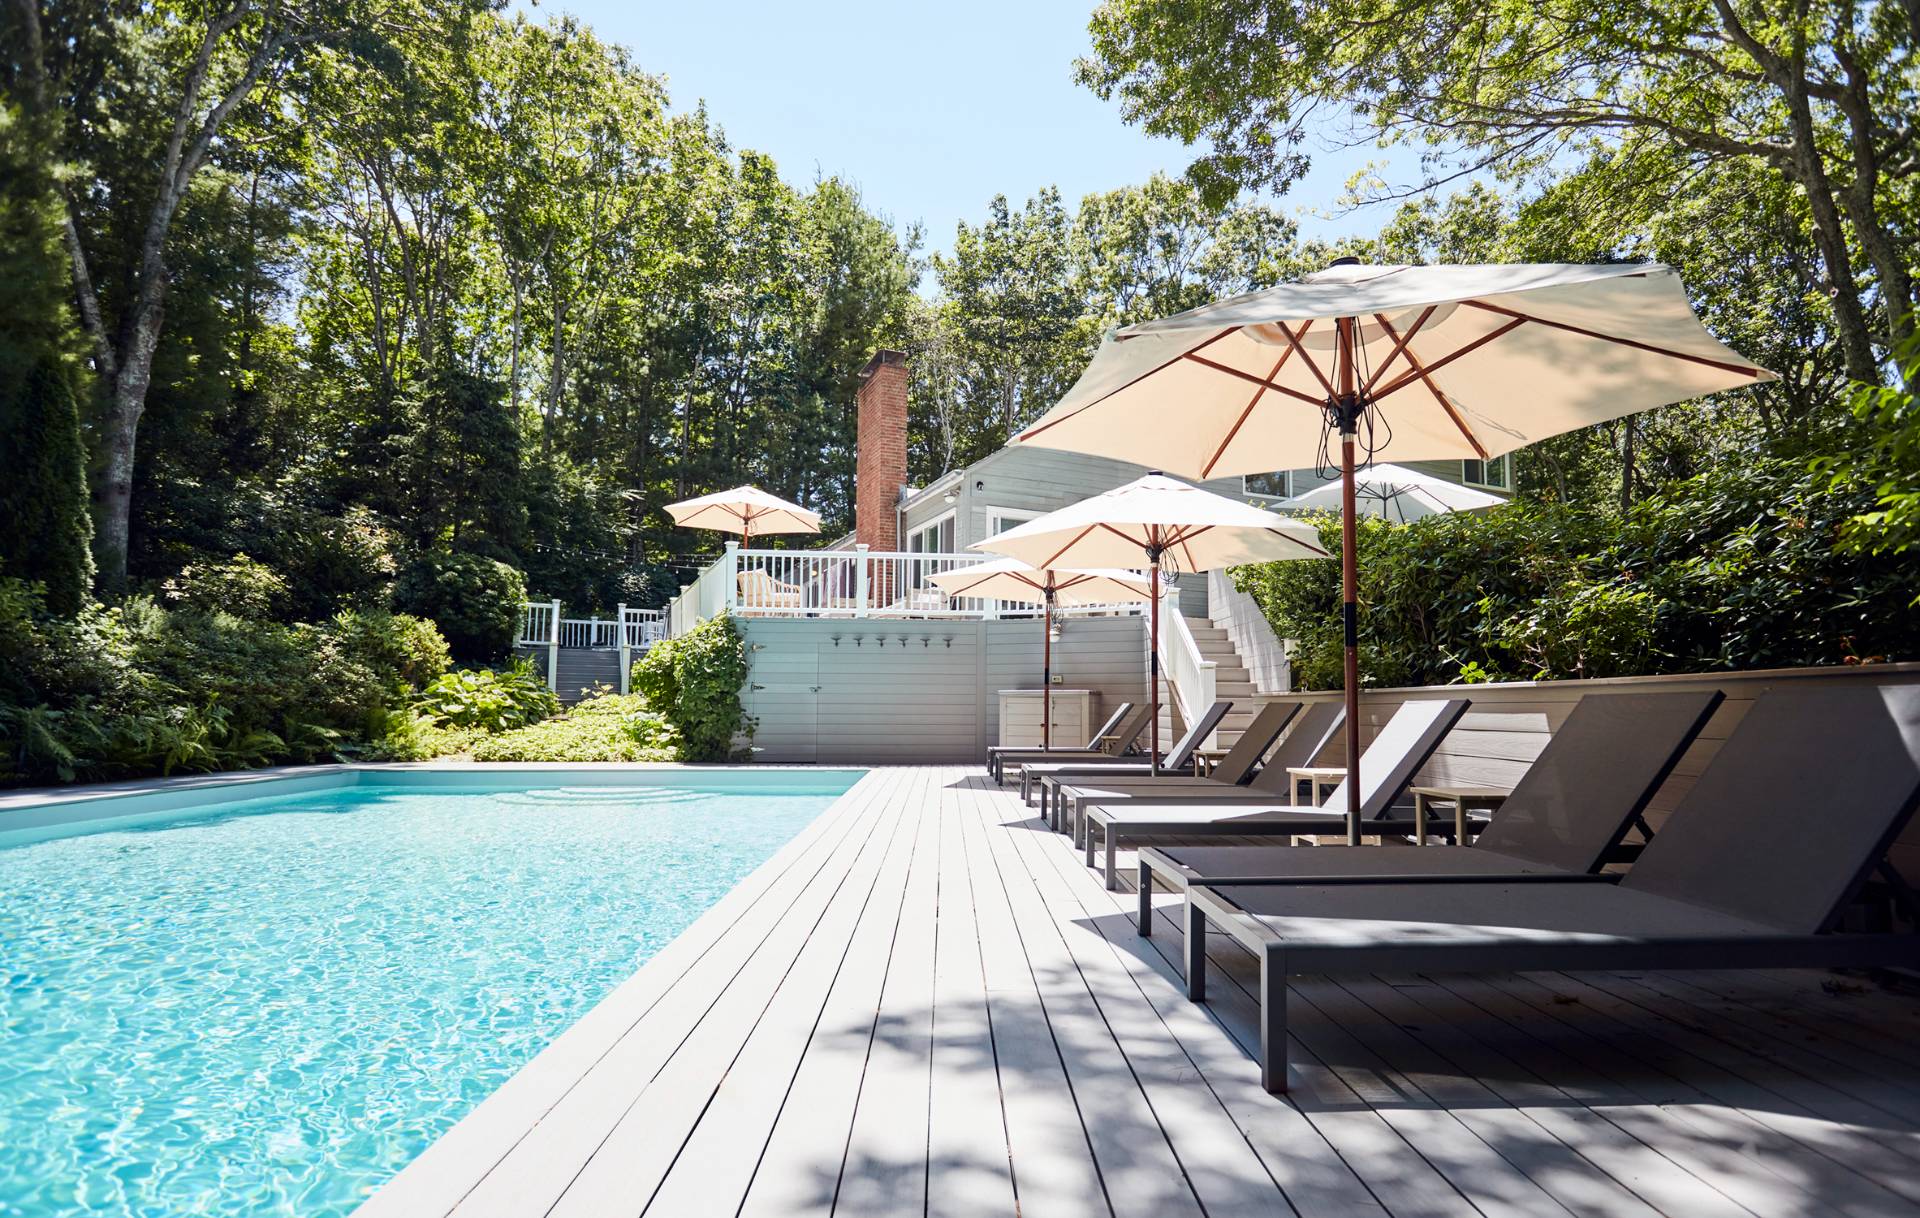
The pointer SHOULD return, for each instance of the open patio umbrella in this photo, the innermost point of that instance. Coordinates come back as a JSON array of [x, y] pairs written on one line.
[[1166, 522], [745, 510], [1411, 362], [1378, 488], [1009, 579]]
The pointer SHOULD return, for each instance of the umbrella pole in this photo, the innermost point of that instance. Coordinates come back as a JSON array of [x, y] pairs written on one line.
[[1348, 409], [1153, 664], [1046, 675]]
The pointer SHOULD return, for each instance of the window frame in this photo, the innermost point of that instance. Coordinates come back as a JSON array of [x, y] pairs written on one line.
[[1268, 495], [1504, 461]]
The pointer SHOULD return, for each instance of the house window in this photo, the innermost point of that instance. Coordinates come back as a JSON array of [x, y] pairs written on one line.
[[935, 538], [1496, 474], [999, 520], [1276, 485]]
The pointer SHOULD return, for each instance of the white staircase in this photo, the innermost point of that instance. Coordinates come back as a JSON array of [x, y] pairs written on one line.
[[1232, 681]]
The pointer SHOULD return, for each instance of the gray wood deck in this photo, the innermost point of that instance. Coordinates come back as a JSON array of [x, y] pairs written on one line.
[[924, 1004]]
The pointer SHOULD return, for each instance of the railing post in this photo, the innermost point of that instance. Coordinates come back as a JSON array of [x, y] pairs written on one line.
[[626, 653], [732, 573], [860, 580], [553, 651]]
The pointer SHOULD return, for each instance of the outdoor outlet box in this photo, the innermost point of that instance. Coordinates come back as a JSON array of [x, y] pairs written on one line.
[[1059, 678]]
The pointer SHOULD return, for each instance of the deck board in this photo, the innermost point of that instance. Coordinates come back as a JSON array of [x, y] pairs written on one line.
[[925, 1004]]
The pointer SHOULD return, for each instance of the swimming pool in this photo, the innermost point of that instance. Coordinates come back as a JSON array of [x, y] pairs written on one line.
[[271, 1006]]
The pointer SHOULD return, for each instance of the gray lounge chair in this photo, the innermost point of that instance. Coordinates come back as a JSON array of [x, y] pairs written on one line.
[[1388, 765], [1116, 736], [1307, 736], [1234, 770], [1753, 870], [1177, 758], [1569, 812]]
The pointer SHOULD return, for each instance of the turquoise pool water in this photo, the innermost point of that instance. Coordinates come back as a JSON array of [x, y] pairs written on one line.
[[270, 1009]]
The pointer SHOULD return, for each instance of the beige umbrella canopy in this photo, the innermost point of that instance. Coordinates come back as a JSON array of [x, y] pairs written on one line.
[[1009, 579], [1163, 523], [1404, 362], [745, 510]]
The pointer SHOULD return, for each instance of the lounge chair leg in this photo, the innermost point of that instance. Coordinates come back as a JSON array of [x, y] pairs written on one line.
[[1086, 839], [1273, 1023], [1146, 900], [1113, 879], [1196, 952]]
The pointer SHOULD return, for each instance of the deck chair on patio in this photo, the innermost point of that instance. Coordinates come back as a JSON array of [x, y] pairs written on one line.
[[1569, 813], [1388, 765], [1113, 739], [1753, 870], [759, 590], [1177, 758], [1234, 770], [1307, 734]]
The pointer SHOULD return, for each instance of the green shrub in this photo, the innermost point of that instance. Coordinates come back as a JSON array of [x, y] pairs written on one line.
[[241, 586], [606, 727], [1737, 568], [474, 600], [409, 735], [695, 681], [493, 701]]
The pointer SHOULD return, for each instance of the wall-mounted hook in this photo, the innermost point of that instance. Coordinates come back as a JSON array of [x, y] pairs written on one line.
[[949, 642], [836, 640], [925, 641]]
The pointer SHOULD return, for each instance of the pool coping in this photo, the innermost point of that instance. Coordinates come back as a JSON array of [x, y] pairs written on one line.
[[38, 813]]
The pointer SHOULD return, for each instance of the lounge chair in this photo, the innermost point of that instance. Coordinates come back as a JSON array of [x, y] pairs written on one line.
[[1113, 739], [1233, 771], [1753, 870], [1388, 765], [759, 590], [1177, 758], [1569, 812], [1306, 735]]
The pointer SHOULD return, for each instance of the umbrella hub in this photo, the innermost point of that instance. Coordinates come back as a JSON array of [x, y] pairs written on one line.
[[1344, 412]]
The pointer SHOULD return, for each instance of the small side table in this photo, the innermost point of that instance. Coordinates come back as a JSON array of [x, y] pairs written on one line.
[[1319, 775], [1462, 798], [1204, 760]]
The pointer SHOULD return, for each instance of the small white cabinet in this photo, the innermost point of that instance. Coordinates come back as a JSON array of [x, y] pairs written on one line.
[[1020, 717]]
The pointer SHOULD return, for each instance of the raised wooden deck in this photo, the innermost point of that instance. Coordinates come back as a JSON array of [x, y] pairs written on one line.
[[925, 1004]]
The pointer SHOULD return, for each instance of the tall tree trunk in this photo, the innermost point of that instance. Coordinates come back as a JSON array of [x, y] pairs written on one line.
[[1627, 458]]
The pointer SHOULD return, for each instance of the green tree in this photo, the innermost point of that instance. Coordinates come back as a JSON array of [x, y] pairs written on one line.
[[1816, 96]]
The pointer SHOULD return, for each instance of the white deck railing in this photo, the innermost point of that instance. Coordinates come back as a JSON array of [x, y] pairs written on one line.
[[1263, 652], [856, 583]]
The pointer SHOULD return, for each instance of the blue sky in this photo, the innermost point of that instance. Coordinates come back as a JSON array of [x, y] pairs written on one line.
[[930, 109]]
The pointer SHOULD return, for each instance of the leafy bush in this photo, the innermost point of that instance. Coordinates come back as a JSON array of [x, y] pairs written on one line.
[[136, 689], [605, 727], [410, 735], [695, 681], [493, 701], [474, 600], [241, 586], [1737, 568]]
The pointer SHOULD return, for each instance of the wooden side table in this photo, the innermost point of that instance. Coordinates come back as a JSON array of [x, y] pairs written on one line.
[[1204, 760], [1319, 775], [1462, 798]]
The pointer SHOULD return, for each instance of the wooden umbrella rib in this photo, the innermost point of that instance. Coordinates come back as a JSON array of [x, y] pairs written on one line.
[[1305, 545], [1076, 541], [1737, 369], [1250, 378], [1259, 393], [1036, 430], [1426, 379], [1400, 344], [1402, 381], [1293, 341]]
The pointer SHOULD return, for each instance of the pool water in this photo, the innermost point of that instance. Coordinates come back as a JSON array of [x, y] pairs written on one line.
[[270, 1009]]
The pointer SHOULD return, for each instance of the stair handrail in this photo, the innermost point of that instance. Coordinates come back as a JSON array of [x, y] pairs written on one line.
[[1190, 676]]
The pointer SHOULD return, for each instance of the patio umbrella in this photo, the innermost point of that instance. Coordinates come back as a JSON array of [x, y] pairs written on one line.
[[745, 510], [1168, 523], [1411, 362], [1009, 579], [1378, 487]]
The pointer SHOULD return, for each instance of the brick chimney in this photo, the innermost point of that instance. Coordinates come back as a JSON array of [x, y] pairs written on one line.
[[880, 467]]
